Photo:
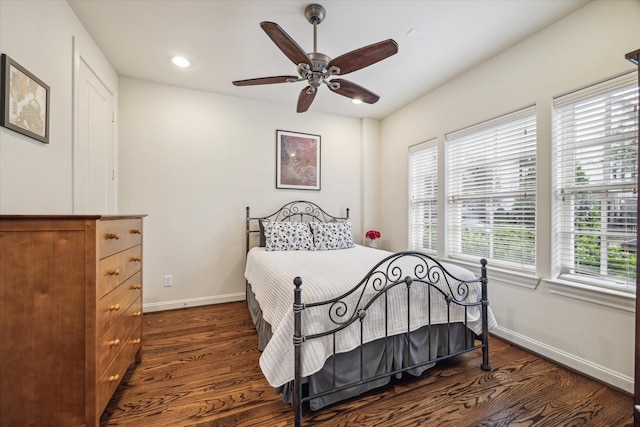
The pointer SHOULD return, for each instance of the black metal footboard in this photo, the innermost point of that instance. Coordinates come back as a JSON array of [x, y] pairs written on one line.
[[406, 275]]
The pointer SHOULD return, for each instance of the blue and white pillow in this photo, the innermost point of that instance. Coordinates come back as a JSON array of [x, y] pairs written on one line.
[[288, 236], [332, 235]]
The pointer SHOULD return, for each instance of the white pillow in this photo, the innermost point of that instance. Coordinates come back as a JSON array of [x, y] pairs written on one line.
[[288, 236], [332, 235]]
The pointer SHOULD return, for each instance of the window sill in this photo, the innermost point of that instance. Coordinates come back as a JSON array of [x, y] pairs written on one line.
[[591, 293], [496, 274], [594, 294]]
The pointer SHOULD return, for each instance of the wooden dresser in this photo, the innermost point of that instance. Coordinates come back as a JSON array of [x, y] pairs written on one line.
[[70, 315]]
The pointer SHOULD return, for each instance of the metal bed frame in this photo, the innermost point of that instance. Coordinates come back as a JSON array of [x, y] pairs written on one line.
[[382, 278]]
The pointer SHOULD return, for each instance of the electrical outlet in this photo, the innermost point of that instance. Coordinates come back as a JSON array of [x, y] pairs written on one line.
[[168, 280]]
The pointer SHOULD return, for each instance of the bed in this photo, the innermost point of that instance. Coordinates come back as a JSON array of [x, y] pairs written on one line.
[[336, 319]]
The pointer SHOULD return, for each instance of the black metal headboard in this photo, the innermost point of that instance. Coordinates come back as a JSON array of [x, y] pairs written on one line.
[[298, 210]]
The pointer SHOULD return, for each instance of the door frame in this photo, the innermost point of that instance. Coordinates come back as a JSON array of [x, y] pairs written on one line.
[[78, 58]]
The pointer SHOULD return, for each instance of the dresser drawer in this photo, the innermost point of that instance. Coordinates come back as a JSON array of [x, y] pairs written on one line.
[[119, 336], [118, 235], [115, 304], [118, 268], [111, 378]]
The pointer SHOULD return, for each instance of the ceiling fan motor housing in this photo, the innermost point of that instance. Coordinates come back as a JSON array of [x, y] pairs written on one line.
[[319, 61]]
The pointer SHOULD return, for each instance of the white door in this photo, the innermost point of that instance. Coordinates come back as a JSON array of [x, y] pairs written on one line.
[[95, 149]]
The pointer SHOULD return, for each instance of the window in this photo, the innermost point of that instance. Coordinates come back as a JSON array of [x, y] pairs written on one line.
[[491, 182], [423, 196], [595, 183]]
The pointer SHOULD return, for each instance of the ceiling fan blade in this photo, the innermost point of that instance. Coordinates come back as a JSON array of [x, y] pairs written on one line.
[[365, 56], [265, 80], [305, 99], [354, 91], [285, 43]]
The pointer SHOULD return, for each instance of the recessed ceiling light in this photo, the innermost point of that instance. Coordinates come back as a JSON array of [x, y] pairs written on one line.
[[181, 61], [356, 101]]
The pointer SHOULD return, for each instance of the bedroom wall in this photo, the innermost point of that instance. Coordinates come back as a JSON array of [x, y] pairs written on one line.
[[193, 161], [41, 36], [584, 48]]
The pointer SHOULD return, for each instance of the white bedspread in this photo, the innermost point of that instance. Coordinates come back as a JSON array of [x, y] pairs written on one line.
[[327, 274]]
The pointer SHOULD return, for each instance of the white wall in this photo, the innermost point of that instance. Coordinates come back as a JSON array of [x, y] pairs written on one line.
[[370, 176], [193, 161], [41, 36], [584, 48]]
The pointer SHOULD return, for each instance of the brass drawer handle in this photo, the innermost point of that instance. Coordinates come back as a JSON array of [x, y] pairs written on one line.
[[135, 287], [135, 231], [114, 342], [136, 314], [113, 236], [114, 307], [136, 341], [114, 272], [136, 259], [113, 378]]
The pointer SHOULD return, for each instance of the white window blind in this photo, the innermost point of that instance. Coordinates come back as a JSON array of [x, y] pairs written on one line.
[[423, 196], [491, 182], [595, 138]]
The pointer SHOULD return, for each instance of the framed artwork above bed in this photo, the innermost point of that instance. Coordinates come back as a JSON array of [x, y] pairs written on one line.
[[297, 160]]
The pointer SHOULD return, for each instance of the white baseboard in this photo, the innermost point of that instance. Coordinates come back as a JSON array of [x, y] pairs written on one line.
[[606, 375], [192, 302]]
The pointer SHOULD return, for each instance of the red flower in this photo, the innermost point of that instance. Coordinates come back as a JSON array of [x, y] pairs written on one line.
[[373, 234]]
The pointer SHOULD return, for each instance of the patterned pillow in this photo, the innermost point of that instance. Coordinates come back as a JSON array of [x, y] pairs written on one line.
[[332, 235], [288, 236]]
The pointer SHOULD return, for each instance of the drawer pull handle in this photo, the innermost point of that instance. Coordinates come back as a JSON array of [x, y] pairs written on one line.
[[136, 231], [136, 314], [136, 341], [114, 307], [113, 236], [135, 287], [114, 272], [114, 342], [136, 259], [114, 378]]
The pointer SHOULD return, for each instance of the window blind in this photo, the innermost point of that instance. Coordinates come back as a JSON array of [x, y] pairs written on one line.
[[491, 183], [423, 196], [595, 173]]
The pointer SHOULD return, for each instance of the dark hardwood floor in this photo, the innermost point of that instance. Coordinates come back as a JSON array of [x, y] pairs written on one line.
[[200, 368]]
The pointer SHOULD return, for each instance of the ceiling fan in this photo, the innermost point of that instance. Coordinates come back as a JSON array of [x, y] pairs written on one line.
[[317, 68]]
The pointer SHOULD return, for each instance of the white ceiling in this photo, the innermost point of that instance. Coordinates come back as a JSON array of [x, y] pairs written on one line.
[[437, 41]]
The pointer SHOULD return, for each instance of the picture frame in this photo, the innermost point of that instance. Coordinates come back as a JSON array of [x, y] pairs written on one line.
[[24, 101], [298, 163]]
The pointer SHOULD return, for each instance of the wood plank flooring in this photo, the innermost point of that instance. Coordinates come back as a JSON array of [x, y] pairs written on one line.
[[200, 368]]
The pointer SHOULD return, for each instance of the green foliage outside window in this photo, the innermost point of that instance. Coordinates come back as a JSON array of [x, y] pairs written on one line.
[[620, 263]]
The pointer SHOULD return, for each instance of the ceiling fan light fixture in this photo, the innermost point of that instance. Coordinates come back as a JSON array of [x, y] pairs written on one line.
[[181, 61], [356, 101]]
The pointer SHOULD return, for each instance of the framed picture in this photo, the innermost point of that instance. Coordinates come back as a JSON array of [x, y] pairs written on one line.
[[297, 160], [24, 106]]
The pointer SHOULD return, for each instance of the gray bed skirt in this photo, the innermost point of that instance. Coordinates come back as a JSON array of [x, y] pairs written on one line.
[[262, 327], [381, 356]]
